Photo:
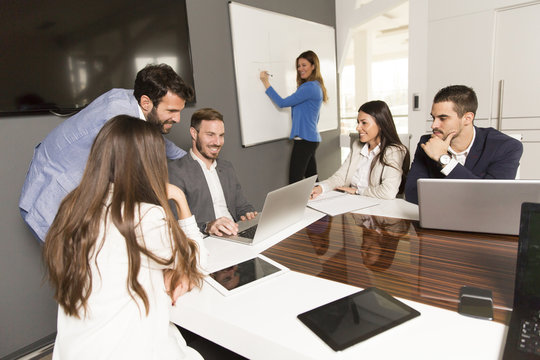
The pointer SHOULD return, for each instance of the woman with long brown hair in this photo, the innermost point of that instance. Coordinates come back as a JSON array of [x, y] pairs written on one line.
[[306, 104], [378, 162], [115, 254]]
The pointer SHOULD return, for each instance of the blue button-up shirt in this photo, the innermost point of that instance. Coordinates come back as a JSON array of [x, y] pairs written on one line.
[[59, 160]]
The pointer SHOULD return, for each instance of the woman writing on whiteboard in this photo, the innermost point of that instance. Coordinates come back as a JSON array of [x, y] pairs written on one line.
[[306, 104], [378, 162], [115, 254]]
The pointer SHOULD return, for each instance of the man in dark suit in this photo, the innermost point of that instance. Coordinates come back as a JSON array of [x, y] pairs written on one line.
[[212, 190], [459, 150]]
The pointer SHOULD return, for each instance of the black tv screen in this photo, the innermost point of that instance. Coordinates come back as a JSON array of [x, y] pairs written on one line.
[[59, 55]]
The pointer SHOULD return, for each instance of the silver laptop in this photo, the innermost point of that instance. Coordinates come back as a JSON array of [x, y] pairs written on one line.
[[282, 207], [490, 206]]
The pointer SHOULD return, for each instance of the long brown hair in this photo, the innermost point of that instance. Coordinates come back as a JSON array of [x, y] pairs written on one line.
[[382, 115], [315, 74], [130, 154]]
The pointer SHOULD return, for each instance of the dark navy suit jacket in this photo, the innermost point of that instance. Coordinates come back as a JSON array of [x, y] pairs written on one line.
[[493, 155]]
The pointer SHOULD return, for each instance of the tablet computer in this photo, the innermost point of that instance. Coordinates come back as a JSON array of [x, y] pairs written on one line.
[[243, 275], [357, 317]]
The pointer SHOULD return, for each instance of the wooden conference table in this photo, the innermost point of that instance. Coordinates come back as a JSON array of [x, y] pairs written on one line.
[[331, 257]]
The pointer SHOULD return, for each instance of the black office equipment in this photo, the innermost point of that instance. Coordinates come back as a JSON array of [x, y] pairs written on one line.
[[357, 317], [60, 55], [476, 302], [523, 339]]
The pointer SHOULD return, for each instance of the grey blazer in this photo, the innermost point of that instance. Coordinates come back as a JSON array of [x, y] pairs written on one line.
[[186, 173]]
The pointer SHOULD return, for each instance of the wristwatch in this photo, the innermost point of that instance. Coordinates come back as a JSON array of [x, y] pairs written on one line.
[[444, 160]]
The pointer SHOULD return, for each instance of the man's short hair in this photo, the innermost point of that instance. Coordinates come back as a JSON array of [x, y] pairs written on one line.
[[155, 81], [204, 114], [463, 97]]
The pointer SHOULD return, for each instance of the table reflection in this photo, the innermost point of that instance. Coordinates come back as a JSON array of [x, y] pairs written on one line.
[[399, 256], [380, 238]]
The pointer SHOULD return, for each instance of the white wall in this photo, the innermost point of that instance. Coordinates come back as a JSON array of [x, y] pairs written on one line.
[[418, 46], [438, 56]]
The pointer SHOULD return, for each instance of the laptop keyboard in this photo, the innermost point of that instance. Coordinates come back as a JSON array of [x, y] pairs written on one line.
[[529, 339], [248, 233]]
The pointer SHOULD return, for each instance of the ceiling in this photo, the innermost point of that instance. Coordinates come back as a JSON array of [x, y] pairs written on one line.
[[390, 32]]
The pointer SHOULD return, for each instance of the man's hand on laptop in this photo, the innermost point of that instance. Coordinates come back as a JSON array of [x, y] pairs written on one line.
[[248, 216], [222, 226]]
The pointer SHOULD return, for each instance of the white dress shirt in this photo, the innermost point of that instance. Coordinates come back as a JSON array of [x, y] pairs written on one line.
[[141, 114], [216, 191], [457, 158], [360, 179]]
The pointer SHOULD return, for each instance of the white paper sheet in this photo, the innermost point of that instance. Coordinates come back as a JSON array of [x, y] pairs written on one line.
[[334, 203]]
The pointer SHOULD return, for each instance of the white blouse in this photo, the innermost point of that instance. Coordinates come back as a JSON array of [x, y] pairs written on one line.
[[116, 325], [360, 179]]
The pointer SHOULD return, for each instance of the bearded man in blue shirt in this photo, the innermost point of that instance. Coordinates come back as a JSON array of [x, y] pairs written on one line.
[[59, 160]]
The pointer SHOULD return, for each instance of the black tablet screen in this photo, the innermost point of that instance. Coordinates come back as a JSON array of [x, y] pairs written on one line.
[[244, 273], [354, 318]]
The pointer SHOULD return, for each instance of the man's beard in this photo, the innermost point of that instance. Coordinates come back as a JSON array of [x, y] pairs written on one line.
[[153, 118], [203, 153]]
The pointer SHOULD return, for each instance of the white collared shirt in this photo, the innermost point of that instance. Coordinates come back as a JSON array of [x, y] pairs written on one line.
[[458, 158], [141, 114], [360, 179], [216, 191]]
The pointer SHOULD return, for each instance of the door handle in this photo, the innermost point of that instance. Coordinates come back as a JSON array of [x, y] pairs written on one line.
[[500, 113]]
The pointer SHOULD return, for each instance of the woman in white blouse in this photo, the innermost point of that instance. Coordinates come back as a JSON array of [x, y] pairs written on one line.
[[378, 161], [115, 254]]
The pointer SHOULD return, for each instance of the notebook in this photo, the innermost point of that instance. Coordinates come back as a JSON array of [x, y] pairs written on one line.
[[490, 206], [282, 207], [334, 203], [523, 339]]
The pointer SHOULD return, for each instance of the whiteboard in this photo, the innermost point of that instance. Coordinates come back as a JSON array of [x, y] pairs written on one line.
[[265, 40]]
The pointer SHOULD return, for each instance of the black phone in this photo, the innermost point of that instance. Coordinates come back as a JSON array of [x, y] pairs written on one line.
[[476, 302]]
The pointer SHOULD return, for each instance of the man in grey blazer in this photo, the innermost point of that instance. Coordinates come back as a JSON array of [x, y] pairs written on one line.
[[212, 189]]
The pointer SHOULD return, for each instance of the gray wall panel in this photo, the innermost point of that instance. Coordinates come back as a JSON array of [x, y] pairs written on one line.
[[27, 310]]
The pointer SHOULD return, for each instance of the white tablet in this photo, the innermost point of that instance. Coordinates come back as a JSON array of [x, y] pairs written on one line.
[[244, 275]]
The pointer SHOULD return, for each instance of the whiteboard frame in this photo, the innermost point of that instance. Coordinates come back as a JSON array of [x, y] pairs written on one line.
[[261, 48]]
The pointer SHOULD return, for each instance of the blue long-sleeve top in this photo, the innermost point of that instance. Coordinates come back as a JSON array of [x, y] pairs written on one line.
[[305, 105]]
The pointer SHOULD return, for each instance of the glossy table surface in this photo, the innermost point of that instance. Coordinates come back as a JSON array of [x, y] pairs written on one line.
[[371, 247], [423, 265]]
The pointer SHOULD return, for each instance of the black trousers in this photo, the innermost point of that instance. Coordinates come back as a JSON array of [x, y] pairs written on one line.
[[303, 163]]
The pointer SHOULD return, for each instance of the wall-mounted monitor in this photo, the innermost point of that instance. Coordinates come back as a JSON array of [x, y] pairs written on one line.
[[59, 55]]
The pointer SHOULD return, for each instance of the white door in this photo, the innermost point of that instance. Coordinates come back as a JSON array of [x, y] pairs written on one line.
[[516, 81]]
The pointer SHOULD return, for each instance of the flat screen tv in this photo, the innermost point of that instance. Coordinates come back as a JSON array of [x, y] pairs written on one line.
[[59, 55]]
